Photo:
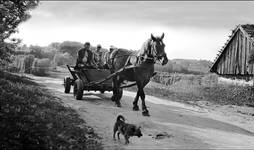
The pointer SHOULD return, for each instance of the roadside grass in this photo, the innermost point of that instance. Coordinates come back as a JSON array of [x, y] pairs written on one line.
[[31, 118], [195, 88]]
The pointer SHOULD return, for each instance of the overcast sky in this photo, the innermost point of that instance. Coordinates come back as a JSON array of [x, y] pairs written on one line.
[[193, 29]]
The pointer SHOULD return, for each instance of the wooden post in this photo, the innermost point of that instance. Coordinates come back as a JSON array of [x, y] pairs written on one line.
[[227, 59], [243, 55], [246, 56], [240, 54], [235, 54]]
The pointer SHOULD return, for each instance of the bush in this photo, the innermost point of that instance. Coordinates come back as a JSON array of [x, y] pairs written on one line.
[[28, 62], [63, 59], [18, 62], [21, 63], [185, 79], [70, 47], [41, 67]]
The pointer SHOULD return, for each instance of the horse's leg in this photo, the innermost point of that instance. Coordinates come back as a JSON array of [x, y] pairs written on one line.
[[113, 98], [118, 92], [145, 112], [135, 102]]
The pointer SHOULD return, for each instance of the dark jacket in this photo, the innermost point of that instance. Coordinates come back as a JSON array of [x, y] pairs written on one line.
[[86, 57]]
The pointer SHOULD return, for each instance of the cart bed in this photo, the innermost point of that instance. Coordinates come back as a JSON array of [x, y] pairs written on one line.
[[94, 75]]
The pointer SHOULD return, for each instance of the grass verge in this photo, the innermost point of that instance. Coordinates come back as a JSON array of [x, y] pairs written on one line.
[[31, 118], [192, 93]]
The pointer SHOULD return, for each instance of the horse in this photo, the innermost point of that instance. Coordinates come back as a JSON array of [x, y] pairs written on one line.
[[143, 61]]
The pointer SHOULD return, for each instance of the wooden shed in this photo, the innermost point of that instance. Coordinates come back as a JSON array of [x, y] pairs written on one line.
[[232, 59]]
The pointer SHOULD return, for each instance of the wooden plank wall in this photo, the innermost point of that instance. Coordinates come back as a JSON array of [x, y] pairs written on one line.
[[246, 44], [251, 48], [250, 65], [234, 59]]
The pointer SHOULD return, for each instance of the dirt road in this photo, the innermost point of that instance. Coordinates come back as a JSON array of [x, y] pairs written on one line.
[[187, 127]]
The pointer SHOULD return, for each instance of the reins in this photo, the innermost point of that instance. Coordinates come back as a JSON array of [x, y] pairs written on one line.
[[129, 57]]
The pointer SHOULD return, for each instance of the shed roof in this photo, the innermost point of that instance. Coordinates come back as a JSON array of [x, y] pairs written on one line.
[[248, 28]]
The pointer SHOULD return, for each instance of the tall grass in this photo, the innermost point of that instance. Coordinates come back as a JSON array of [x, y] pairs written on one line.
[[192, 88]]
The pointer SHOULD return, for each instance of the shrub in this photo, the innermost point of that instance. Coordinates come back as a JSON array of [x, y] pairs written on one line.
[[21, 63], [63, 59], [28, 62], [18, 63], [41, 67]]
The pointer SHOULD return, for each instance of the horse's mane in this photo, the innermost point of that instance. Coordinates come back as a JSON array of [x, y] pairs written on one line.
[[146, 45]]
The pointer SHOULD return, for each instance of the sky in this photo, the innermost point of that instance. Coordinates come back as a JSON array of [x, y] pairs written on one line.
[[193, 29]]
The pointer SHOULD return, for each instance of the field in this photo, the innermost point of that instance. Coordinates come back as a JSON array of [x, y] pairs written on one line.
[[195, 89]]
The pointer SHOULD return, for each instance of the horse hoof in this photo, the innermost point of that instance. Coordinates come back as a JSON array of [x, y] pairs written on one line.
[[145, 113], [113, 98], [135, 108], [118, 105]]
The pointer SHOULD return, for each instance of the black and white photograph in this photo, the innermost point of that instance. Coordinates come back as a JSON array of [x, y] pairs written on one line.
[[116, 75]]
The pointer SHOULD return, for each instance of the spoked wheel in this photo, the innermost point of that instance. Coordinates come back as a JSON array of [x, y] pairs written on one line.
[[78, 89], [67, 84]]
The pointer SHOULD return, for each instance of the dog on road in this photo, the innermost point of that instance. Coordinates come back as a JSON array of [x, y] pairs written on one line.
[[127, 130]]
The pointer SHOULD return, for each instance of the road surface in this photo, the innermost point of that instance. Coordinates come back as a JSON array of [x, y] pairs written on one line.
[[187, 126]]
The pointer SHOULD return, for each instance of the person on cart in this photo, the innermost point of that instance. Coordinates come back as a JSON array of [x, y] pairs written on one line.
[[85, 58], [98, 56], [107, 59]]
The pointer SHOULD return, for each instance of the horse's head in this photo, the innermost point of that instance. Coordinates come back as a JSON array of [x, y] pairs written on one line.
[[156, 50]]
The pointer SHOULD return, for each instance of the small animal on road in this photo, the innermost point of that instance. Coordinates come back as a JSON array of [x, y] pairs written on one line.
[[126, 129]]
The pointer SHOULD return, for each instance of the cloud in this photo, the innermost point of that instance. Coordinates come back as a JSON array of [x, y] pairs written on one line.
[[42, 14], [195, 13], [192, 29]]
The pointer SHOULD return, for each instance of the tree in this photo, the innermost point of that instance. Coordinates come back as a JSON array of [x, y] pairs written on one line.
[[54, 46], [63, 59], [37, 51], [70, 47], [12, 13]]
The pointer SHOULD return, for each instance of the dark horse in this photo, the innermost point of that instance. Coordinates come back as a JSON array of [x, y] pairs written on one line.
[[143, 60]]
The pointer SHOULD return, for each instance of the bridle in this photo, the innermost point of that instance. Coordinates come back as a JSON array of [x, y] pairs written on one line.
[[151, 52]]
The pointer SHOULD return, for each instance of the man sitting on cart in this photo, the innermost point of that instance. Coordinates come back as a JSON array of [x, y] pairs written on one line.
[[107, 60], [85, 58], [98, 56]]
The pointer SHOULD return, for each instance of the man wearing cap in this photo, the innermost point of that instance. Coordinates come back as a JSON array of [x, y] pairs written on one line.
[[98, 56], [85, 57], [107, 63]]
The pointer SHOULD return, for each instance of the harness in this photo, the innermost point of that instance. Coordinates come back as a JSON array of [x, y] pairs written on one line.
[[147, 52]]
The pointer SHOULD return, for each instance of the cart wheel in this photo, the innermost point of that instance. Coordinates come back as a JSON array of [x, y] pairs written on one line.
[[102, 91], [67, 84], [78, 89]]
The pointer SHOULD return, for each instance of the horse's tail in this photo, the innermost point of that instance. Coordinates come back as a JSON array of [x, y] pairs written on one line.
[[120, 118]]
